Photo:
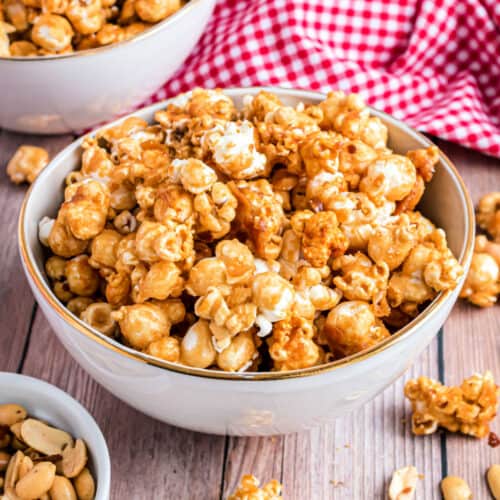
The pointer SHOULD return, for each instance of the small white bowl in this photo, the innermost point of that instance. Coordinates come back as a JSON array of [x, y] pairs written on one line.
[[48, 403], [248, 403], [72, 92]]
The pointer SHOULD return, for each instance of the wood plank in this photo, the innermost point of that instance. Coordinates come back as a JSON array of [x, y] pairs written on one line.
[[352, 458], [150, 460], [16, 302], [262, 457], [472, 340]]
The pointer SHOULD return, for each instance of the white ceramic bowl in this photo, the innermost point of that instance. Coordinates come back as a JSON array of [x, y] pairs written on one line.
[[247, 403], [72, 92], [48, 403]]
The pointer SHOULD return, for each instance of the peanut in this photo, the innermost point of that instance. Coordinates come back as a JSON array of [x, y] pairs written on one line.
[[455, 488], [493, 478]]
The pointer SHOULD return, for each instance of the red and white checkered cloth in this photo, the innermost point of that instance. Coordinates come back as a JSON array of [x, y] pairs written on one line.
[[433, 63]]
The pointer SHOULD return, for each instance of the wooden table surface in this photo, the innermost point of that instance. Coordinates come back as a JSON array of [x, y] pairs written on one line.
[[352, 458]]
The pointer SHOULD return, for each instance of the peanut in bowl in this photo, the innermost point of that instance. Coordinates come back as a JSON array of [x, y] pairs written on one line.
[[50, 444], [314, 362]]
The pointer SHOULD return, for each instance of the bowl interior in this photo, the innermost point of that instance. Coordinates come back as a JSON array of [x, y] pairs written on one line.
[[48, 403], [445, 202]]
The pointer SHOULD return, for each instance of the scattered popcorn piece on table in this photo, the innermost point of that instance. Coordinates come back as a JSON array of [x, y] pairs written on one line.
[[488, 214], [249, 489], [482, 285], [468, 408], [27, 163]]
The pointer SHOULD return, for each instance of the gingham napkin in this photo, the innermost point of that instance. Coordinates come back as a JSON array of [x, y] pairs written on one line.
[[433, 63]]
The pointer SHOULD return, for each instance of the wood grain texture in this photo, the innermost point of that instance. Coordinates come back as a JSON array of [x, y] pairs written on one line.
[[472, 338], [16, 302]]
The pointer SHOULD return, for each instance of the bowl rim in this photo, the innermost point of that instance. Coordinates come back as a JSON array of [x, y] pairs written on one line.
[[98, 50], [103, 474], [43, 288]]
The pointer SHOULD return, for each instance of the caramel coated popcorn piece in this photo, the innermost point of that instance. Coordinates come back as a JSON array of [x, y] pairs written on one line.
[[249, 489], [85, 209], [359, 217], [233, 147], [361, 279], [52, 32], [281, 129], [352, 327], [390, 244], [482, 285], [239, 354], [292, 345], [312, 294], [348, 115], [215, 211], [321, 236], [488, 215], [260, 215], [391, 177], [467, 408], [425, 161], [429, 268], [27, 163], [142, 324]]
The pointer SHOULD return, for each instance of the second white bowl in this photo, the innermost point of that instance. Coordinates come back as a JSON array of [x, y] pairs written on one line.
[[58, 409], [72, 92]]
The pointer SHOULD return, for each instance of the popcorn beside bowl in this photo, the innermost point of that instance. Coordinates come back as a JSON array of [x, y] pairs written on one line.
[[261, 403], [50, 404], [69, 92]]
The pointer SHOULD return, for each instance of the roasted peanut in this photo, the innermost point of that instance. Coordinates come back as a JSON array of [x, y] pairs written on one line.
[[4, 460], [62, 489], [43, 438], [403, 484], [25, 466], [37, 481], [493, 477], [12, 472], [11, 414], [84, 485], [455, 488], [74, 459]]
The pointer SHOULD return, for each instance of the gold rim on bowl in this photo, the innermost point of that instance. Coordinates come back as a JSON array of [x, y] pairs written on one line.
[[115, 346], [97, 50]]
